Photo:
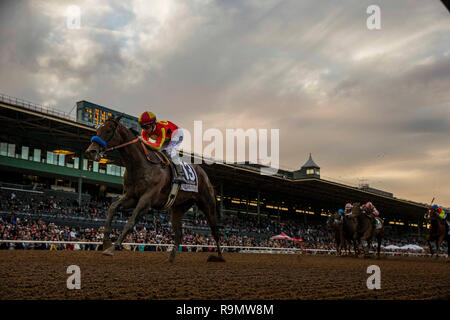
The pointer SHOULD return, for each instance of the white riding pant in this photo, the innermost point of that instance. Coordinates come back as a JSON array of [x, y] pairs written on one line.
[[173, 145]]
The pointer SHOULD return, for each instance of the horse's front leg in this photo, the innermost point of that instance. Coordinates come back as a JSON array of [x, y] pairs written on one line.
[[438, 245], [369, 246], [430, 246], [141, 207], [124, 202]]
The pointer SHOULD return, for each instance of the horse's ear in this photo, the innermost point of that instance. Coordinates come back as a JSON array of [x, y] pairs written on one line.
[[119, 117]]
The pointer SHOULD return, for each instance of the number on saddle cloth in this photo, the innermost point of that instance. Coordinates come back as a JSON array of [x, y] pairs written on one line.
[[191, 178]]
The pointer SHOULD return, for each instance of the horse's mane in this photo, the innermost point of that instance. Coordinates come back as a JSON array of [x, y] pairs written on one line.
[[136, 134], [154, 159], [117, 121]]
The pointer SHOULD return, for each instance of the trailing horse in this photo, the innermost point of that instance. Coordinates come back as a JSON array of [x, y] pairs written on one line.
[[365, 229], [438, 231], [147, 183], [344, 229]]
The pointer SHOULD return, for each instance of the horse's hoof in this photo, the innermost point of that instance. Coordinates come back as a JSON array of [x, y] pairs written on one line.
[[109, 252], [107, 244], [213, 258]]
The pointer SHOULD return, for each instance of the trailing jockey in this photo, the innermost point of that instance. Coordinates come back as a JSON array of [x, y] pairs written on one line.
[[369, 209], [168, 137], [348, 209], [341, 214], [442, 215]]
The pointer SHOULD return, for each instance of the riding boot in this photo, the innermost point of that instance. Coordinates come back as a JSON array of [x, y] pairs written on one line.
[[179, 178]]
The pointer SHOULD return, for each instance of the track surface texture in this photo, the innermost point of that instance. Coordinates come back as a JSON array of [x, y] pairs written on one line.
[[149, 275]]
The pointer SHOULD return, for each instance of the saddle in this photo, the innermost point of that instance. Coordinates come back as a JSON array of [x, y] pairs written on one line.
[[161, 157]]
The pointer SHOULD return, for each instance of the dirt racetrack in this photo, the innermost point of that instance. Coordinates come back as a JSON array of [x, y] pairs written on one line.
[[149, 275]]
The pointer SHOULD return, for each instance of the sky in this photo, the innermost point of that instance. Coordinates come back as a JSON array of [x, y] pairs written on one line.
[[370, 105]]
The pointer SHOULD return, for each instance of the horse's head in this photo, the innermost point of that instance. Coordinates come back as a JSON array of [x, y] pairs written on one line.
[[432, 213], [334, 221], [356, 209], [107, 134]]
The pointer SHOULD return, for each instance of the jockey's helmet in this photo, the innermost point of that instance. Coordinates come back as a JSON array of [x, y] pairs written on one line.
[[340, 211], [348, 206], [147, 118], [435, 206]]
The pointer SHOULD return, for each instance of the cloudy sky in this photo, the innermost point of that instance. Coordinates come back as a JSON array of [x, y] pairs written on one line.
[[368, 104]]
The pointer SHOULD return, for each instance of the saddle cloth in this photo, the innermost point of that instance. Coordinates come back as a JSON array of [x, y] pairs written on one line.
[[191, 186], [189, 174], [378, 223], [191, 178]]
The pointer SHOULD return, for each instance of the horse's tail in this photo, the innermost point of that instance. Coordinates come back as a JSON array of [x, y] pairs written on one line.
[[218, 213]]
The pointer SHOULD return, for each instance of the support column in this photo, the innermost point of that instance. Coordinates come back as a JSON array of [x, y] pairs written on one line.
[[304, 216], [246, 203], [221, 199], [258, 208], [80, 179], [80, 182], [418, 226], [279, 211]]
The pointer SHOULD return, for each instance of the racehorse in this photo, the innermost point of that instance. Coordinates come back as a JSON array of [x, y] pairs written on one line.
[[438, 231], [365, 229], [147, 184], [344, 229]]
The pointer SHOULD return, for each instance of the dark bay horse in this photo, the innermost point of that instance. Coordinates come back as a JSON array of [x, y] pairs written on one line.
[[147, 184], [365, 229], [344, 228], [438, 231]]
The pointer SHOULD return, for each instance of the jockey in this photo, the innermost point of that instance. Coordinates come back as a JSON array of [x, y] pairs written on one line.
[[348, 208], [341, 214], [442, 214], [168, 137], [369, 209]]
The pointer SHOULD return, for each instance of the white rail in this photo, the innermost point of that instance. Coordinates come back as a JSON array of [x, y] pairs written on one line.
[[244, 249]]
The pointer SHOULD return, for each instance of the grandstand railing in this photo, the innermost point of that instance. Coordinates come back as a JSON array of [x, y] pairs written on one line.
[[242, 249], [35, 107]]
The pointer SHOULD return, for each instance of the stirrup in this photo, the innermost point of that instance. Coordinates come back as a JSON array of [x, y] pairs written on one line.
[[179, 176], [180, 179]]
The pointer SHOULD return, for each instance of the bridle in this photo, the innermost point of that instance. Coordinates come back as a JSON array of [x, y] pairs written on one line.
[[431, 214], [102, 143]]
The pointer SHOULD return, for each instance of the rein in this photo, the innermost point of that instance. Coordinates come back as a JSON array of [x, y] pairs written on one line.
[[103, 143], [122, 145]]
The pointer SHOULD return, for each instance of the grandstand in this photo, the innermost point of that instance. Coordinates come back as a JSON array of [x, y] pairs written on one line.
[[42, 150]]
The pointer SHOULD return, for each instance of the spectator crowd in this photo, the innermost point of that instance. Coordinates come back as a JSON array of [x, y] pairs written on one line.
[[32, 217]]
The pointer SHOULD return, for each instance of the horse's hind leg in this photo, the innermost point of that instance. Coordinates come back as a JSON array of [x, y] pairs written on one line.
[[379, 238], [438, 245], [209, 210], [431, 247], [448, 246], [176, 215]]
